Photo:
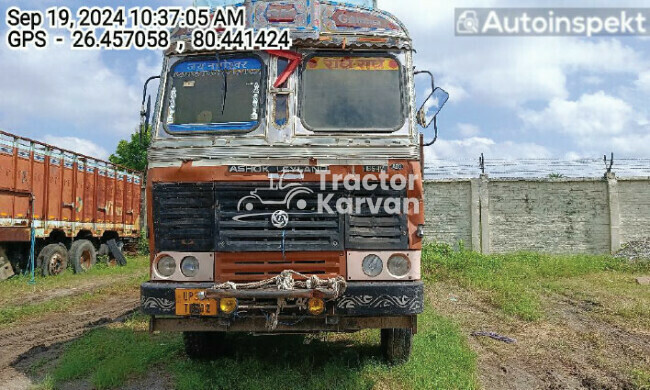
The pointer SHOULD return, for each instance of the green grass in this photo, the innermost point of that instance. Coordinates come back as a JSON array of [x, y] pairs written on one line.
[[20, 285], [109, 357], [514, 283], [12, 311]]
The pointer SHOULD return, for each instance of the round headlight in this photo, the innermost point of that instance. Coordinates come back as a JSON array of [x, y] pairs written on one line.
[[399, 265], [372, 265], [190, 266], [166, 266]]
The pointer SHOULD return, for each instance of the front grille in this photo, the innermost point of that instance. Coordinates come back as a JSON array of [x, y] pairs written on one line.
[[252, 266], [377, 229], [236, 218], [183, 217], [244, 219]]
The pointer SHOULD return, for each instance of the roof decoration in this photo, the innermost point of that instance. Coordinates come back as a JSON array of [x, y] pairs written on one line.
[[321, 23]]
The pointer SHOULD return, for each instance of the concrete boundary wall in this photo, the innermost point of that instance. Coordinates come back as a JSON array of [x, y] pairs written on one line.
[[595, 216]]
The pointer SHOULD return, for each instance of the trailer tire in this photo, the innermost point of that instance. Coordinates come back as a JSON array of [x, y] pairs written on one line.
[[396, 345], [203, 345], [115, 254], [82, 256], [53, 259]]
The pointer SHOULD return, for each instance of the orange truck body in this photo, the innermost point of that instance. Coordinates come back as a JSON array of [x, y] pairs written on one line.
[[63, 193]]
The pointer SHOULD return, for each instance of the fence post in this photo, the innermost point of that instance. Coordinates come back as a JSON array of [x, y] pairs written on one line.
[[614, 212], [475, 215], [484, 211]]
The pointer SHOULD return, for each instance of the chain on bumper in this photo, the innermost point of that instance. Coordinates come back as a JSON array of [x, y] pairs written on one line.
[[281, 288]]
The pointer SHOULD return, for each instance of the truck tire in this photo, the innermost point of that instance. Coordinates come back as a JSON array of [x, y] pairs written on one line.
[[396, 345], [115, 254], [53, 259], [82, 256], [6, 270], [203, 345]]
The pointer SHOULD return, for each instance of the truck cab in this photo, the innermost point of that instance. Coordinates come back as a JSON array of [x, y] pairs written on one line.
[[284, 187]]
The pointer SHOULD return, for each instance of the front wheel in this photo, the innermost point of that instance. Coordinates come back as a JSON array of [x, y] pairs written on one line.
[[396, 345], [203, 345]]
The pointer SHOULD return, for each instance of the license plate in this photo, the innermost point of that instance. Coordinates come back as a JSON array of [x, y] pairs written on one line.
[[188, 304]]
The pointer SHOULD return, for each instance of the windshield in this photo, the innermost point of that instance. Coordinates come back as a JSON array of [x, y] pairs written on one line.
[[223, 3], [352, 94], [211, 95]]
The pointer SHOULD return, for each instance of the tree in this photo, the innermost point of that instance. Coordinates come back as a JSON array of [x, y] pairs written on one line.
[[133, 154]]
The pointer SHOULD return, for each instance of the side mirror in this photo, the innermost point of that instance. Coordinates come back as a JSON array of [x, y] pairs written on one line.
[[432, 107]]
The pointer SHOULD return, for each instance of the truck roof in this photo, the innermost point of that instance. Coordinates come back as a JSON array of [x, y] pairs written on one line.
[[322, 24]]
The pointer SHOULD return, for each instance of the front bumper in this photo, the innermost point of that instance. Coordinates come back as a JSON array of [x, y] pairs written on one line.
[[360, 299]]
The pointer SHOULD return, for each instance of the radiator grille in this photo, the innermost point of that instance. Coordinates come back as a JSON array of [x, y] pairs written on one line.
[[377, 229], [244, 219], [183, 217], [236, 217]]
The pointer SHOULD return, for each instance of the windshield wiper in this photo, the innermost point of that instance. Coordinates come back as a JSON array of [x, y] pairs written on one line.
[[224, 87]]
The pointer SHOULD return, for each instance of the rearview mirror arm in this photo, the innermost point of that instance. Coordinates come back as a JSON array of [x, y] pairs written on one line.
[[143, 109], [435, 133]]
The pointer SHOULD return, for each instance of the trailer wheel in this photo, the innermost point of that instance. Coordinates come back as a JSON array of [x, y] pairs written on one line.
[[203, 345], [115, 256], [6, 270], [53, 259], [396, 345], [82, 256]]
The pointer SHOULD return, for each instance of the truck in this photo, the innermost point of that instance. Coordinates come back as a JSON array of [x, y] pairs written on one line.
[[60, 208], [284, 187]]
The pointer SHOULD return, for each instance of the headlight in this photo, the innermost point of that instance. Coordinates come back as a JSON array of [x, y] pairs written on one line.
[[190, 266], [399, 265], [372, 266], [166, 266]]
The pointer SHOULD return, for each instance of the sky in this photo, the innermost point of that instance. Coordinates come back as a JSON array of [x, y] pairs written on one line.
[[511, 97]]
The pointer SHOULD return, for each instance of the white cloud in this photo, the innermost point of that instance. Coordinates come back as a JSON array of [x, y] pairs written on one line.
[[59, 85], [78, 145], [471, 148], [592, 115], [596, 123], [468, 130], [502, 71], [644, 81]]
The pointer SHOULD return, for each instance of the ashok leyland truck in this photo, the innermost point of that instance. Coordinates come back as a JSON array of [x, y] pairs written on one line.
[[284, 187]]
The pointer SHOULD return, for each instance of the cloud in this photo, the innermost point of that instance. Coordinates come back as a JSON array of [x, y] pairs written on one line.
[[501, 71], [643, 83], [77, 145], [592, 115], [468, 130], [471, 148], [596, 123], [74, 88]]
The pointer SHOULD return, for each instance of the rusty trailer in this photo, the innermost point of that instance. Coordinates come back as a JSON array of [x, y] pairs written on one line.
[[74, 203]]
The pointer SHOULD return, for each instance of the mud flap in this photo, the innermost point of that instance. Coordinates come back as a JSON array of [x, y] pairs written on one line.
[[116, 252]]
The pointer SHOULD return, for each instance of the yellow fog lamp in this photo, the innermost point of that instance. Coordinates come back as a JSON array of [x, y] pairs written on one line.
[[228, 305], [316, 306]]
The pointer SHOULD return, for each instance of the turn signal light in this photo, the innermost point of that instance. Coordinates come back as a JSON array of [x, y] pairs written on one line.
[[316, 306], [228, 305]]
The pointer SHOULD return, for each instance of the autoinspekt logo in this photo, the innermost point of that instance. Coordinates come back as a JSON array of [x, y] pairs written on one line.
[[585, 22]]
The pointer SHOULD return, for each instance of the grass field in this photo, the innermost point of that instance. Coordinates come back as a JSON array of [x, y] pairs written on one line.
[[19, 298], [517, 293]]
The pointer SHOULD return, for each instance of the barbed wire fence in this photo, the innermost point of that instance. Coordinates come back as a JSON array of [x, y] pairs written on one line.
[[536, 168]]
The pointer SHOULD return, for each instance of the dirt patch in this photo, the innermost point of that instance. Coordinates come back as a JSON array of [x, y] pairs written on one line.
[[37, 340], [572, 348], [81, 287]]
